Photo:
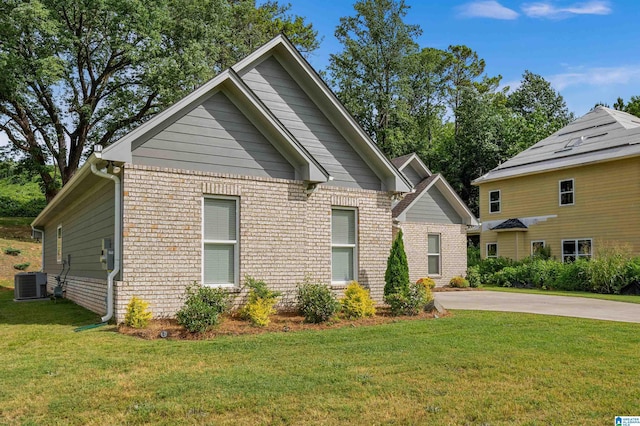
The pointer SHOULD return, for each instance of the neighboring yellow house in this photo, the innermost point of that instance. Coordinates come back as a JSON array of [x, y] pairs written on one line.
[[573, 192]]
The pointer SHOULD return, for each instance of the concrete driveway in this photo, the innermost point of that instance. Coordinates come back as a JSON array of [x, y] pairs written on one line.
[[580, 307]]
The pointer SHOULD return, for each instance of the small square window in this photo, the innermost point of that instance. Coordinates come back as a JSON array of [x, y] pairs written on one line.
[[537, 247], [494, 201], [566, 192]]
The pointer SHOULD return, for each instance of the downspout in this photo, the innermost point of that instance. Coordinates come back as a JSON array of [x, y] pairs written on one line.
[[117, 233]]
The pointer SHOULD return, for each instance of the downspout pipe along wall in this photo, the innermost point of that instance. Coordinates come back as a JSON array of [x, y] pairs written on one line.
[[117, 235]]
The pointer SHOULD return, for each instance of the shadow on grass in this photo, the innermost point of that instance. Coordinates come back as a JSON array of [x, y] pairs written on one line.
[[42, 312]]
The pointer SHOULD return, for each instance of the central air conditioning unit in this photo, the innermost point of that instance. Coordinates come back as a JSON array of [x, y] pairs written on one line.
[[30, 285]]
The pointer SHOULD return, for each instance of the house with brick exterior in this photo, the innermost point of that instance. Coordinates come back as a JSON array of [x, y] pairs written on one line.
[[259, 172], [572, 193], [434, 222]]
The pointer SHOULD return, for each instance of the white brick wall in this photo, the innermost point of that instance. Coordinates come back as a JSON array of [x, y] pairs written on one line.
[[453, 240], [284, 235]]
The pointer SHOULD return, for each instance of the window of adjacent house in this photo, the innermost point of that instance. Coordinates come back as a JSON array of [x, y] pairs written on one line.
[[433, 256], [494, 201], [220, 241], [566, 192], [344, 248], [573, 249], [492, 249], [59, 244], [536, 247]]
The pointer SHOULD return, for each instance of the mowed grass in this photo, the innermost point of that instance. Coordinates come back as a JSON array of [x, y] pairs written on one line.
[[614, 297], [468, 368]]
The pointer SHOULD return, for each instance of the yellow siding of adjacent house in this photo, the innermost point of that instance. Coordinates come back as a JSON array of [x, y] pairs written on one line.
[[606, 208]]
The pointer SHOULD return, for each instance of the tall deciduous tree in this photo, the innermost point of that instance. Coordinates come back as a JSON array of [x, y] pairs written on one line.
[[75, 74], [370, 74]]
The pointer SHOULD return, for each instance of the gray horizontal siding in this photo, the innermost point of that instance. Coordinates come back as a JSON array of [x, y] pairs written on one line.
[[412, 175], [214, 137], [290, 104], [84, 225], [432, 207]]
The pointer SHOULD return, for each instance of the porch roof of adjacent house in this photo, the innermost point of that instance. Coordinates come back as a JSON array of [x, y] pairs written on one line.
[[510, 224], [603, 134]]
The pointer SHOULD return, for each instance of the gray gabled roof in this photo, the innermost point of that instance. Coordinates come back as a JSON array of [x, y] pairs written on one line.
[[510, 224], [412, 159], [603, 134]]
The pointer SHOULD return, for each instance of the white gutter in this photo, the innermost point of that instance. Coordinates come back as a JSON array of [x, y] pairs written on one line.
[[117, 232]]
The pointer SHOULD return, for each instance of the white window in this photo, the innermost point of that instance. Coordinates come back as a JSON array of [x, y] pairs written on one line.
[[492, 249], [220, 241], [433, 256], [536, 247], [59, 244], [344, 247], [573, 249], [494, 201], [566, 192]]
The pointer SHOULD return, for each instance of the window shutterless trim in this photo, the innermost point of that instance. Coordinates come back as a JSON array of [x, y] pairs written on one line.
[[498, 201], [577, 248], [487, 249], [236, 242], [438, 255], [59, 255], [572, 192], [544, 244], [339, 245]]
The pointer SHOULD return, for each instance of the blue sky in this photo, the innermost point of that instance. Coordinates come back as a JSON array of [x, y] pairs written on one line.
[[588, 50]]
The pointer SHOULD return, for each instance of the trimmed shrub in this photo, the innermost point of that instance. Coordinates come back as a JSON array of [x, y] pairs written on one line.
[[357, 302], [12, 251], [473, 276], [260, 304], [316, 302], [396, 277], [137, 315], [427, 282], [202, 308], [410, 302], [21, 266], [459, 282]]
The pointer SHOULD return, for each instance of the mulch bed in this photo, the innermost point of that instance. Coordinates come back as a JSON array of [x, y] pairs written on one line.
[[232, 325]]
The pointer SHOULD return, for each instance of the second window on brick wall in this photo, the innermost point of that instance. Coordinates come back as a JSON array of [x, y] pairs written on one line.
[[433, 258], [220, 241], [344, 247]]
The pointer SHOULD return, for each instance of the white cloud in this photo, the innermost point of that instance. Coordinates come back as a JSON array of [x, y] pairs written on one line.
[[603, 76], [486, 9], [548, 10]]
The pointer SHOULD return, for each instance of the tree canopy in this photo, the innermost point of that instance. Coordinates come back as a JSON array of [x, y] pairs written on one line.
[[75, 74]]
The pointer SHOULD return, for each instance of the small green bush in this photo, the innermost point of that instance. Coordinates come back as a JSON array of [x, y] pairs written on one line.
[[607, 272], [427, 282], [473, 276], [410, 302], [473, 256], [573, 276], [316, 302], [21, 266], [458, 282], [12, 251], [357, 302], [137, 315], [260, 304], [202, 308]]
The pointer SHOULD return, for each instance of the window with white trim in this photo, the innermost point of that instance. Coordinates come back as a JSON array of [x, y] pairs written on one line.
[[494, 201], [344, 246], [59, 244], [573, 249], [220, 236], [492, 249], [433, 254], [566, 192], [537, 246]]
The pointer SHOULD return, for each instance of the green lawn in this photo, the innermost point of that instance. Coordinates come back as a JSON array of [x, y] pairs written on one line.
[[469, 368], [615, 297]]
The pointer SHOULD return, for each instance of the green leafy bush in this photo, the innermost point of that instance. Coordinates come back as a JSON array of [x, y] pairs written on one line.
[[21, 266], [607, 272], [458, 282], [202, 308], [316, 302], [411, 301], [427, 282], [473, 256], [260, 304], [12, 251], [573, 276], [473, 276], [138, 314], [357, 302]]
